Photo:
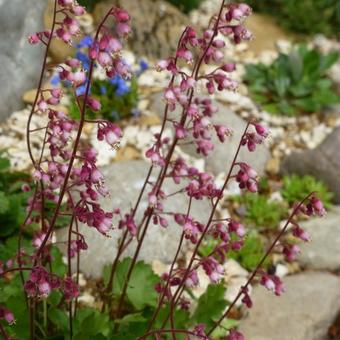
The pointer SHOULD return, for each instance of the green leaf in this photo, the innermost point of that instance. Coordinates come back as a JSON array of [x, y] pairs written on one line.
[[222, 330], [58, 266], [90, 322], [251, 253], [141, 289], [58, 318], [210, 305], [4, 203], [296, 188], [54, 298], [4, 163], [328, 60]]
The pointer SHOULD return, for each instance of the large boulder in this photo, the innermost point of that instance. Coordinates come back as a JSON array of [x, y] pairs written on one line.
[[322, 162], [323, 252], [124, 181], [156, 25], [20, 62], [304, 312]]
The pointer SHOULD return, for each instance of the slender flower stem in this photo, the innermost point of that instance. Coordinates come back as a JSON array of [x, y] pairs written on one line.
[[170, 274], [28, 130], [259, 265], [3, 333]]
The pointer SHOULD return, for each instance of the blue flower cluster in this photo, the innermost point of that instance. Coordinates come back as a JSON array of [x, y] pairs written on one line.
[[121, 86]]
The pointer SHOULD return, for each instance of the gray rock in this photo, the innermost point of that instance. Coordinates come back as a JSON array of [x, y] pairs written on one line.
[[20, 62], [124, 180], [303, 312], [322, 162], [156, 25], [223, 154], [323, 252]]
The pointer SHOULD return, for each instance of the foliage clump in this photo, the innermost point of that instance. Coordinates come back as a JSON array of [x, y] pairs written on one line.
[[294, 187], [294, 83], [303, 17]]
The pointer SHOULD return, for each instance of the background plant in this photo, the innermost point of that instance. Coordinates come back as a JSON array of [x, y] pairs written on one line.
[[12, 198], [294, 83], [303, 16], [186, 5], [295, 186]]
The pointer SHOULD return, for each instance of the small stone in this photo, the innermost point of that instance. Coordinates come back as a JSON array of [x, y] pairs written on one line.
[[29, 96], [233, 269], [281, 270], [233, 288], [273, 166], [87, 299], [149, 120], [127, 153]]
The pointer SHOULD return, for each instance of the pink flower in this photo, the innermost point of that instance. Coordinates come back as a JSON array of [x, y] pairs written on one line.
[[7, 315], [235, 335], [300, 233], [273, 283], [246, 298], [71, 289], [236, 227], [247, 177], [93, 104], [192, 279], [213, 269], [291, 251], [129, 223], [78, 10], [33, 39], [154, 154], [222, 131]]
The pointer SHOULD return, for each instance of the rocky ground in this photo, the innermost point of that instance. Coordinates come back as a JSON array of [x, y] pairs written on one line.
[[307, 145]]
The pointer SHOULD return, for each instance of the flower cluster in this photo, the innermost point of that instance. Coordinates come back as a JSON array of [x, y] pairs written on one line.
[[273, 283], [66, 27], [106, 49], [313, 207], [41, 283]]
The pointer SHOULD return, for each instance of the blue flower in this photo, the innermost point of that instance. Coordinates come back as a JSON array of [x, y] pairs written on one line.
[[80, 91], [55, 80], [143, 65], [85, 42], [103, 89], [121, 86], [84, 59], [115, 115]]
